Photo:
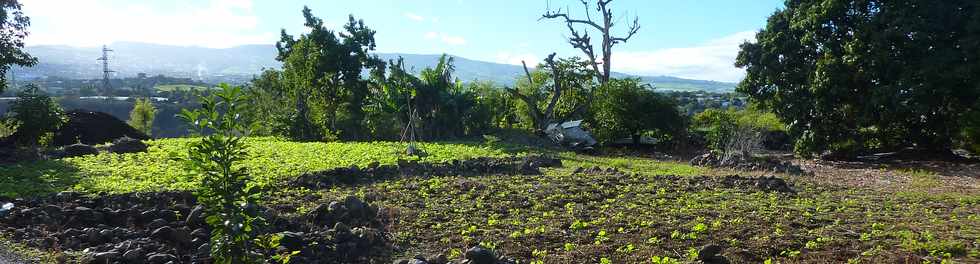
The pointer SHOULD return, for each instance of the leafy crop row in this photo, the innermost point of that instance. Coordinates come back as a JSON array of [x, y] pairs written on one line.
[[270, 160]]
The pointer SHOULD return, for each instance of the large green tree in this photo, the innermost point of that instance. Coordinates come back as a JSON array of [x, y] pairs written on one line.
[[13, 30], [854, 75], [322, 72]]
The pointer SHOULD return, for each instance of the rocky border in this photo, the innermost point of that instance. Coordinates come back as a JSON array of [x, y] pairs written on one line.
[[526, 165], [169, 227]]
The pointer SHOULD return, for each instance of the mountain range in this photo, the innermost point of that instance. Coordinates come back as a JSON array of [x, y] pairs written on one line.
[[239, 64]]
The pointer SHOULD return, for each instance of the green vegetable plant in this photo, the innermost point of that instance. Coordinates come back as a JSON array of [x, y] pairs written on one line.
[[228, 199]]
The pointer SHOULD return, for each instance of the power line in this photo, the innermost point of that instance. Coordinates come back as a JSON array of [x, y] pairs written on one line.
[[106, 86]]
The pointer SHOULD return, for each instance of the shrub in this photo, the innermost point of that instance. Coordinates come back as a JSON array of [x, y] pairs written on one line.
[[970, 134], [625, 108], [740, 131], [229, 201], [7, 127], [37, 115], [142, 115]]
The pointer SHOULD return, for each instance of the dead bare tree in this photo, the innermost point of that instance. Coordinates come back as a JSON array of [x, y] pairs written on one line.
[[540, 119], [742, 143], [581, 40]]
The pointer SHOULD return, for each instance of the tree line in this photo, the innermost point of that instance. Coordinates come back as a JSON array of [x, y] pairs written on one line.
[[332, 87]]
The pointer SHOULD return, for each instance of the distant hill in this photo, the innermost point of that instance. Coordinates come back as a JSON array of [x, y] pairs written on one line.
[[239, 64]]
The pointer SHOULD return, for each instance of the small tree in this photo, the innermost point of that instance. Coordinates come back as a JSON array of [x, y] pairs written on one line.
[[229, 201], [581, 40], [553, 92], [37, 116], [142, 115]]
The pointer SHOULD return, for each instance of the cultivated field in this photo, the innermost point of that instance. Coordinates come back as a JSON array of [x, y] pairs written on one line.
[[591, 209]]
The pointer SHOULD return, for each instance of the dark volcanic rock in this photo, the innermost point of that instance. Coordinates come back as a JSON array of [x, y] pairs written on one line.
[[480, 255], [77, 150], [195, 217], [127, 145], [292, 240], [161, 258], [93, 128]]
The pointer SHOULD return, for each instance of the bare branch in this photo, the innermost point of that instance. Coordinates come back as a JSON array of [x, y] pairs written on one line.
[[635, 27], [558, 14], [557, 89], [528, 73]]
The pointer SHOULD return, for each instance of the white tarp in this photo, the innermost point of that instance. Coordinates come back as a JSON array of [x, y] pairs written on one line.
[[570, 134]]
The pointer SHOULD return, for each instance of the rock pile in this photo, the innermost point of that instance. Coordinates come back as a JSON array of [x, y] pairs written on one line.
[[479, 166], [170, 227], [132, 228], [93, 128], [766, 184], [716, 161]]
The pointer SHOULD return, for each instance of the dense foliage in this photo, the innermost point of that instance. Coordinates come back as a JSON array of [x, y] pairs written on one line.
[[13, 30], [37, 116], [142, 115], [627, 109], [718, 126], [229, 201], [849, 76], [569, 82], [322, 73]]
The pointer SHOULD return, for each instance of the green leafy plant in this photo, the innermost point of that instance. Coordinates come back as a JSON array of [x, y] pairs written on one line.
[[7, 127], [272, 242], [142, 115], [38, 116], [229, 201]]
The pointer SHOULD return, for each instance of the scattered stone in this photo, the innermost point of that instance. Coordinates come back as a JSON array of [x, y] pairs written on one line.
[[134, 255], [161, 258], [708, 251], [127, 145], [105, 257], [292, 240], [195, 217], [157, 223], [167, 215], [5, 209], [78, 150], [438, 259], [480, 255]]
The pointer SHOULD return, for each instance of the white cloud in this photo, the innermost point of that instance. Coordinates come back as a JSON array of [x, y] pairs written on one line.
[[420, 18], [445, 38], [414, 16], [214, 23], [712, 60], [516, 58]]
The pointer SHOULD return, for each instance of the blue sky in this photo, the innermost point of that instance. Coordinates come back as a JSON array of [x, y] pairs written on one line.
[[693, 39]]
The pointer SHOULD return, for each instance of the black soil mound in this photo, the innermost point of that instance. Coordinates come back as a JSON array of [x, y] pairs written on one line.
[[94, 128]]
